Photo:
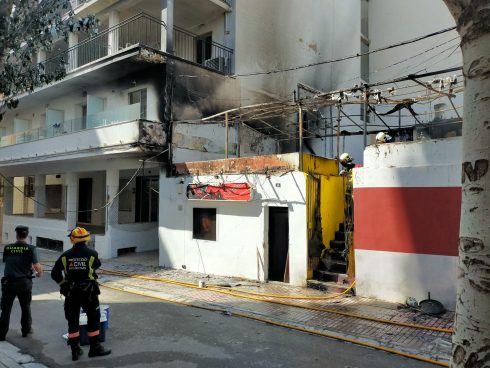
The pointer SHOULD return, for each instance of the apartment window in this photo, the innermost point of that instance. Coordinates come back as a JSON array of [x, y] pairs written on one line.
[[204, 48], [125, 196], [204, 223], [139, 96], [146, 199], [29, 186]]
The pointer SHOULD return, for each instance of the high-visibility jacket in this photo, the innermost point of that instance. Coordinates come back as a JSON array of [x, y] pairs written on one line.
[[77, 265]]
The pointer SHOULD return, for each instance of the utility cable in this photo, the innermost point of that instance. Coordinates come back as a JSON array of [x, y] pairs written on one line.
[[274, 71], [107, 204]]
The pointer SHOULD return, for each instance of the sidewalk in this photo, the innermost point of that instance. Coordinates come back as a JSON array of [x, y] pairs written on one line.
[[300, 314], [431, 345], [12, 357]]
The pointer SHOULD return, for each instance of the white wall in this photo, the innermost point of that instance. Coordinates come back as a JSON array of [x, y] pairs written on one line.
[[242, 238], [278, 34], [406, 256], [195, 142], [398, 20]]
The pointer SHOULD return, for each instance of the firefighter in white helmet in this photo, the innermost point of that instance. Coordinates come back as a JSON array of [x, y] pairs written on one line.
[[346, 161], [382, 137]]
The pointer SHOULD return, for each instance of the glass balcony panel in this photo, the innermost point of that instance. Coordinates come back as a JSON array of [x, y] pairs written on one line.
[[103, 118]]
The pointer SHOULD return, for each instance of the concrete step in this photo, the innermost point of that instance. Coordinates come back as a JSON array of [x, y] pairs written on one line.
[[328, 287], [337, 244], [327, 276]]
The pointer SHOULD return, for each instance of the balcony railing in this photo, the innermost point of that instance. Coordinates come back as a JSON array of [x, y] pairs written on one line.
[[145, 30], [75, 4], [103, 118]]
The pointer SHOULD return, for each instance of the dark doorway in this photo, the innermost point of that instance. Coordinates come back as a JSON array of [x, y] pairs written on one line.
[[85, 200], [146, 199], [204, 48], [278, 243]]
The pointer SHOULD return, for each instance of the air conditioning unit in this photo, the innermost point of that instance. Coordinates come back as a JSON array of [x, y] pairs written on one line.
[[218, 63]]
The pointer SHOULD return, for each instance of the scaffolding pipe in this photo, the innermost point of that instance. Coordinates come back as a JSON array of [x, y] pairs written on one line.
[[226, 132], [300, 123]]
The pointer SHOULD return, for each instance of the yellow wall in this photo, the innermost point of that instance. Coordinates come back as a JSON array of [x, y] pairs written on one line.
[[331, 206], [319, 165], [323, 173]]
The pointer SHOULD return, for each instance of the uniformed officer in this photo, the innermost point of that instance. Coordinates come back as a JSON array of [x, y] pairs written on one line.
[[80, 288], [20, 258]]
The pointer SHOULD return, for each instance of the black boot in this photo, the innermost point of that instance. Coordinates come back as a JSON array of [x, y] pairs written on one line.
[[76, 352], [96, 349]]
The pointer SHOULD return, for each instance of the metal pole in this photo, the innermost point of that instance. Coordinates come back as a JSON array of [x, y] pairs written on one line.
[[365, 117], [239, 139], [338, 136], [226, 129], [300, 127]]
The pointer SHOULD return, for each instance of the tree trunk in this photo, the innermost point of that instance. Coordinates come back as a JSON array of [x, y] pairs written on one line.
[[471, 340]]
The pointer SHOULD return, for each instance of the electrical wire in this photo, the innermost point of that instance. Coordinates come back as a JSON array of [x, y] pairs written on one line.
[[347, 57], [107, 204]]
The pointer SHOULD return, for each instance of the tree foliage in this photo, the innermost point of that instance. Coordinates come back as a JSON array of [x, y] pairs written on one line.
[[26, 27]]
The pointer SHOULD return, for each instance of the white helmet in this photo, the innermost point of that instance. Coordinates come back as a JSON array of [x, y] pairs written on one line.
[[382, 137], [345, 158]]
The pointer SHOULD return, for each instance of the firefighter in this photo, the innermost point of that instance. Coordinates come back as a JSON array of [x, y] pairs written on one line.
[[80, 288], [20, 258]]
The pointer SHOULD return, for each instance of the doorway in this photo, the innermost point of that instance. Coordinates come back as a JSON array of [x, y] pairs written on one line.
[[278, 244], [84, 200]]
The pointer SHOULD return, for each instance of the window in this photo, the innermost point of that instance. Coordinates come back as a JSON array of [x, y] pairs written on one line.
[[204, 223], [139, 96], [29, 186], [125, 196], [204, 48], [146, 199]]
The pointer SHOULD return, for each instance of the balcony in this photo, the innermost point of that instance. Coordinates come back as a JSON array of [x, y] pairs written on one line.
[[145, 30], [54, 129]]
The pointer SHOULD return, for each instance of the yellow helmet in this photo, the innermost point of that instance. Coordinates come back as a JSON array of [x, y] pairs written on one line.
[[78, 235]]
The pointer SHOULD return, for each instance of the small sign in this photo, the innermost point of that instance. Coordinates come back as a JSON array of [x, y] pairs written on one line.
[[220, 192]]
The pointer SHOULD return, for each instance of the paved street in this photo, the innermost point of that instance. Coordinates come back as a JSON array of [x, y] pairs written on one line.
[[145, 332]]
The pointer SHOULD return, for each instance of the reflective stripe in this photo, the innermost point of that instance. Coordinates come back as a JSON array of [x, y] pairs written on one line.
[[73, 335], [94, 333], [63, 260], [90, 268]]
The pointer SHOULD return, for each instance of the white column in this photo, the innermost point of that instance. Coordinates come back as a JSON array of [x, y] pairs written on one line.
[[112, 183], [8, 199], [71, 184], [40, 195], [167, 35], [112, 212], [113, 39], [73, 54]]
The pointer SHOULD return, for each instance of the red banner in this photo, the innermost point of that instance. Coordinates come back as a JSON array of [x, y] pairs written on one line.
[[220, 192]]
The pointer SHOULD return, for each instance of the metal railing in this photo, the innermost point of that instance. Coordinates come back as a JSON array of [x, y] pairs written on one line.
[[145, 30], [75, 4], [54, 129], [202, 51]]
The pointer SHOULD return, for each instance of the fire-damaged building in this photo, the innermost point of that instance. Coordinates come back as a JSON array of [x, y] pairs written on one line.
[[202, 129], [263, 218]]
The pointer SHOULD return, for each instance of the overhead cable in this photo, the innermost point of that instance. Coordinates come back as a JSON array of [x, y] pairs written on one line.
[[274, 71]]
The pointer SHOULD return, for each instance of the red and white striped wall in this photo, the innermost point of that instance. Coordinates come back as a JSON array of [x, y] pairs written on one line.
[[407, 202]]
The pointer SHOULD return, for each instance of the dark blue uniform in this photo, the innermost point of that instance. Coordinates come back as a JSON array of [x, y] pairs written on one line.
[[17, 282], [75, 273]]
